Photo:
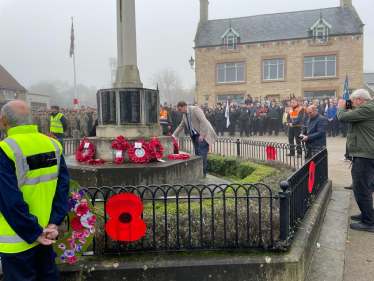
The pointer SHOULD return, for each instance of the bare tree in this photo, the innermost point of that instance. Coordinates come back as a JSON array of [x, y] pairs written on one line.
[[169, 84]]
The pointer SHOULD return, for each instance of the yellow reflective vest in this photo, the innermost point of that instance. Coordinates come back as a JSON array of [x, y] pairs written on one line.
[[56, 125], [37, 161]]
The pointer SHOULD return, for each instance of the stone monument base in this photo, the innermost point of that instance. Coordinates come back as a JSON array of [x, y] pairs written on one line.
[[168, 172]]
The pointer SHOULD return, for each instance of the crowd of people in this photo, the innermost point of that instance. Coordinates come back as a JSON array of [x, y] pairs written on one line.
[[259, 117], [82, 119]]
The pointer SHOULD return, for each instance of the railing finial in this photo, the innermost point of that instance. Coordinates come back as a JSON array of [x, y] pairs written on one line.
[[284, 185]]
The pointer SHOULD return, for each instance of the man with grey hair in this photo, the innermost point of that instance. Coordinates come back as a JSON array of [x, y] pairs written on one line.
[[34, 191], [315, 136], [361, 149]]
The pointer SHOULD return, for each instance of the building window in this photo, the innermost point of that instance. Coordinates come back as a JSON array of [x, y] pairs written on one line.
[[230, 38], [319, 94], [230, 72], [320, 30], [239, 98], [8, 95], [320, 66], [231, 41], [273, 69]]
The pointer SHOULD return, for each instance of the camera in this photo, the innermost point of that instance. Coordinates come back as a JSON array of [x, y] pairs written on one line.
[[348, 104]]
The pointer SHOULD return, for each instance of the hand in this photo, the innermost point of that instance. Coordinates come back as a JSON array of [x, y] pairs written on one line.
[[304, 139], [42, 239], [169, 127], [201, 138], [290, 125], [342, 104], [54, 234]]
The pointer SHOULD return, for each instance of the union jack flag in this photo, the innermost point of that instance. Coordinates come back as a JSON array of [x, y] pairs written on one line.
[[72, 40]]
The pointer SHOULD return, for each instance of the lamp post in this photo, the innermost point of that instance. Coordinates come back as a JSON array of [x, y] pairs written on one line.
[[192, 62]]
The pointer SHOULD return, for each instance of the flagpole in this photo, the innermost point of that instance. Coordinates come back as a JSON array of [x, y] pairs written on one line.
[[75, 77]]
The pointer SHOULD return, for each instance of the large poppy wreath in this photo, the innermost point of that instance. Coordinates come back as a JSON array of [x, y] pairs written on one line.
[[81, 229], [120, 145], [85, 151], [140, 152], [156, 148]]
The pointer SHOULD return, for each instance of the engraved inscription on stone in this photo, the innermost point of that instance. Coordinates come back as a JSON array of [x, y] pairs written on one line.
[[151, 106], [130, 106], [108, 107], [98, 103]]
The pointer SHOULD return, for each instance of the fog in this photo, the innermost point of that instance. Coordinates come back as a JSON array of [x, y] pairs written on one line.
[[35, 35]]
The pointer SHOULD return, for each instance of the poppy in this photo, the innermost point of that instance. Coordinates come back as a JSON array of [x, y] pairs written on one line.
[[76, 224]]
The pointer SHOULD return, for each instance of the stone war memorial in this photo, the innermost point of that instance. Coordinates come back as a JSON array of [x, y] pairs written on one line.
[[130, 111], [139, 208]]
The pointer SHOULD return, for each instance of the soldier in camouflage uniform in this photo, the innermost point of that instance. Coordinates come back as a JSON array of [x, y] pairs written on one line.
[[94, 117], [67, 133], [73, 121], [44, 122], [83, 123], [35, 119]]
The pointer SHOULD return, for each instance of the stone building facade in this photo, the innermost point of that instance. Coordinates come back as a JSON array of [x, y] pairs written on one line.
[[10, 89], [307, 53]]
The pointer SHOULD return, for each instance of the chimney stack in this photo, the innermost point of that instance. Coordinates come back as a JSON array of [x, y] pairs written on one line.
[[204, 10], [346, 3]]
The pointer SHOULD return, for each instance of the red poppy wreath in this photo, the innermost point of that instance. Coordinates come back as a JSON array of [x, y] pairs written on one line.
[[85, 151], [175, 145], [140, 152], [157, 149], [181, 156], [120, 145]]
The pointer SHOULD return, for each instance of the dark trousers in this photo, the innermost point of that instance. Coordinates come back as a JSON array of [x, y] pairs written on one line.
[[61, 140], [232, 128], [344, 128], [219, 127], [331, 127], [273, 126], [201, 149], [337, 126], [35, 264], [244, 126], [294, 133], [261, 130], [362, 179]]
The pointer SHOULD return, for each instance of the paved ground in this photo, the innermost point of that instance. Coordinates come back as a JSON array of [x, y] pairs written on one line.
[[345, 254]]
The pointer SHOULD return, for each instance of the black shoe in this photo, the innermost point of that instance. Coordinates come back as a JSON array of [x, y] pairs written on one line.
[[329, 136], [344, 136], [204, 176], [356, 217], [362, 227], [348, 187], [298, 155], [290, 154]]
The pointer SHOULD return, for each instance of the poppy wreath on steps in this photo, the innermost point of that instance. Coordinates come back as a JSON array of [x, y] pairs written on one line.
[[181, 156], [140, 152], [95, 161], [175, 145], [120, 145], [157, 149], [85, 151]]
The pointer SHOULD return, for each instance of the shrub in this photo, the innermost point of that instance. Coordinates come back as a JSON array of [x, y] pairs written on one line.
[[222, 166]]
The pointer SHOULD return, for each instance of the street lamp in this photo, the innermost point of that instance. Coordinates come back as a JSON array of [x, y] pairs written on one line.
[[206, 97], [192, 62]]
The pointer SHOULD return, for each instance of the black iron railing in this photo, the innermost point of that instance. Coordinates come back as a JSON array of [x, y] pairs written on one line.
[[217, 217], [299, 191], [194, 217], [260, 150]]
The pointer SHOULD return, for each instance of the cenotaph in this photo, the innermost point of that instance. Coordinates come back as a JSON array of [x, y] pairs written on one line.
[[130, 110]]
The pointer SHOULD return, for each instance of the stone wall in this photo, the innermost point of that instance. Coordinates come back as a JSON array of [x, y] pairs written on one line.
[[349, 51]]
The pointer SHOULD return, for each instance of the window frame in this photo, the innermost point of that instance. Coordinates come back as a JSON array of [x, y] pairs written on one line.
[[7, 93], [314, 61], [277, 57], [336, 53], [236, 72], [269, 68]]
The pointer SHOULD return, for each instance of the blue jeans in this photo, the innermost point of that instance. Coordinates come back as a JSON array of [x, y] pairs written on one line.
[[363, 177], [201, 149], [61, 140]]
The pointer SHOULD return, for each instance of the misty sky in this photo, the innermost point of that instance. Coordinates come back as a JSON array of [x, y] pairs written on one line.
[[35, 35]]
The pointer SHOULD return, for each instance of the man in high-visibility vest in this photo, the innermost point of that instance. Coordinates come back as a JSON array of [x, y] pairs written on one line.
[[295, 124], [165, 120], [34, 191], [58, 124]]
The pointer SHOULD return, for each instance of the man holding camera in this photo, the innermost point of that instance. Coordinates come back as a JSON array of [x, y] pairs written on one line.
[[361, 149], [316, 127]]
